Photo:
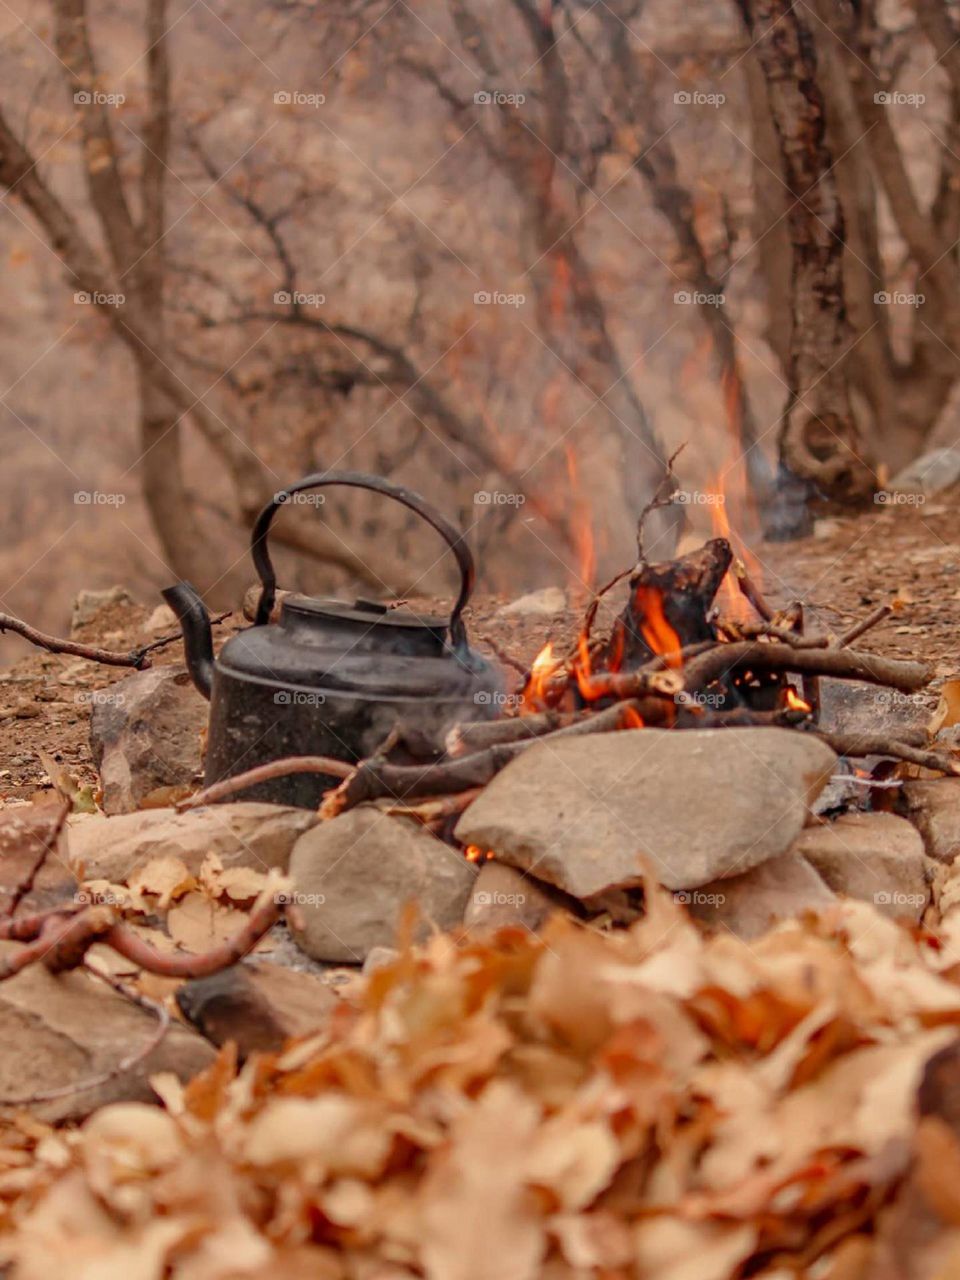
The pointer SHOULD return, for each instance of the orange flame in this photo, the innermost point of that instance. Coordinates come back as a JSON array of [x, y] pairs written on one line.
[[631, 718], [536, 692], [733, 603], [792, 700], [654, 627], [476, 853], [582, 525]]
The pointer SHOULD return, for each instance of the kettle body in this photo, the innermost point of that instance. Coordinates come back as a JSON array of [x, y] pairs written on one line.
[[333, 678]]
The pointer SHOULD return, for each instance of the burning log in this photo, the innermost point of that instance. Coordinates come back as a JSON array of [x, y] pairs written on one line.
[[724, 659], [668, 606], [477, 736]]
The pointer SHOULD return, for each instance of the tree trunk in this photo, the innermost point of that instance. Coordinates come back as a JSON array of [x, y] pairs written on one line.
[[819, 440], [171, 509]]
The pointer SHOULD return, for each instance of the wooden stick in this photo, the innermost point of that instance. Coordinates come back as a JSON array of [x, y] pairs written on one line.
[[864, 744], [757, 630], [847, 664], [723, 659], [109, 657], [502, 656], [810, 683], [227, 787], [745, 717], [26, 928], [54, 933], [751, 591], [200, 964], [476, 735], [432, 809], [878, 615], [374, 780], [177, 635]]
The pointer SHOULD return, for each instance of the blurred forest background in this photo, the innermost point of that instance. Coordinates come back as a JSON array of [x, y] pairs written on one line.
[[509, 252]]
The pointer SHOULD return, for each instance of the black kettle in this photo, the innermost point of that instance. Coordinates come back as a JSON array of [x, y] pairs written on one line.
[[333, 678]]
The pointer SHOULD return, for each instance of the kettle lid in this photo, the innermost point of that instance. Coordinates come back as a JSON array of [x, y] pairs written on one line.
[[365, 626]]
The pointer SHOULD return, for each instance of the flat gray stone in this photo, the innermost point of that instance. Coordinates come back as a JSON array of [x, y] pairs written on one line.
[[853, 706], [353, 876], [595, 813], [545, 603], [256, 1005], [59, 1030], [931, 473], [503, 896], [933, 806], [875, 857], [145, 733], [749, 905], [245, 833]]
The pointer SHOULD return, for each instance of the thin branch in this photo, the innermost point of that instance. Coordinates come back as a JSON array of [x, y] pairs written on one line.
[[860, 628], [198, 964], [109, 657], [862, 744]]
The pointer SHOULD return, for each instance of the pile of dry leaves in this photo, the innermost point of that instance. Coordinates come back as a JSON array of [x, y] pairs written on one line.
[[652, 1102]]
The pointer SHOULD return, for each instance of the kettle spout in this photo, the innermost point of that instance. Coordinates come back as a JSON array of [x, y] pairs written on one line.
[[191, 612]]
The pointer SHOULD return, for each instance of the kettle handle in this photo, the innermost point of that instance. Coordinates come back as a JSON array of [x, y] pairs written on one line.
[[453, 537]]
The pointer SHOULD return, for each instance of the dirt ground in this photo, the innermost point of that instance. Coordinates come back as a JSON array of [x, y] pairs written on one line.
[[905, 553]]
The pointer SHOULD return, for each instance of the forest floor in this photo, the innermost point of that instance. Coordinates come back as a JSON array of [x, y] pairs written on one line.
[[909, 554]]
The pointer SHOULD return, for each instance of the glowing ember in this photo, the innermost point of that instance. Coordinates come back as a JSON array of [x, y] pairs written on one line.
[[475, 853]]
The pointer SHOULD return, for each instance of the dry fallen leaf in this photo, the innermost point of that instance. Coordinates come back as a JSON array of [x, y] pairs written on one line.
[[164, 879], [651, 1102], [197, 922]]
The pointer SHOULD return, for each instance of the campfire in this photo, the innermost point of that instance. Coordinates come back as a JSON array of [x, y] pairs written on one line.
[[695, 646]]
